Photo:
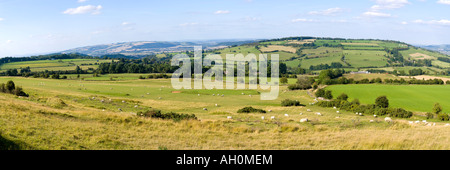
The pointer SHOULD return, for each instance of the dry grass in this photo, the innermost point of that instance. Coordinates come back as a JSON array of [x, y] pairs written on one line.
[[272, 48], [420, 56]]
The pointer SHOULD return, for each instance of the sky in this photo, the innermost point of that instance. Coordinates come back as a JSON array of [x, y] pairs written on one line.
[[41, 26]]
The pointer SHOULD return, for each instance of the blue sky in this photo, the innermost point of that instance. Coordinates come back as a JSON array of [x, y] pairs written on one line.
[[40, 26]]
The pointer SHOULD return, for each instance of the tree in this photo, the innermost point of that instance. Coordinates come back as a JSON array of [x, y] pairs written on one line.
[[283, 80], [382, 102], [328, 95], [437, 108], [10, 86], [320, 93], [343, 97]]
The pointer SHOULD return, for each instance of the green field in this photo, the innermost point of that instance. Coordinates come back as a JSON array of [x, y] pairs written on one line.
[[54, 65], [411, 97], [359, 58]]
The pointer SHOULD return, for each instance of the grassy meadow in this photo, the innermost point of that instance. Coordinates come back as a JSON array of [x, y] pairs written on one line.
[[70, 114]]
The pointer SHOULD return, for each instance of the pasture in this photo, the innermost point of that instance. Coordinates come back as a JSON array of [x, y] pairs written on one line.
[[420, 98], [88, 119]]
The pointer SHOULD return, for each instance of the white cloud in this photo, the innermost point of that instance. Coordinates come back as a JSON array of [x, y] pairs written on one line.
[[81, 1], [1, 19], [389, 4], [404, 23], [434, 22], [222, 12], [303, 20], [327, 12], [375, 10], [127, 23], [376, 14], [446, 2], [9, 41], [84, 10]]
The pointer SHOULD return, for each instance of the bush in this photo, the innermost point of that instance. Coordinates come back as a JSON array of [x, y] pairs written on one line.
[[343, 97], [443, 117], [328, 95], [287, 103], [430, 115], [170, 115], [437, 108], [250, 110], [382, 102]]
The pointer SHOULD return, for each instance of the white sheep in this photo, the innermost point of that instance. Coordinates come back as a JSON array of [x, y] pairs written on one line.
[[270, 110], [334, 108], [309, 110], [229, 117], [371, 121], [375, 116], [301, 113], [388, 119], [123, 101], [135, 106], [318, 114], [217, 105], [205, 109], [262, 117], [273, 117], [411, 122], [337, 111], [303, 120], [360, 114], [286, 115]]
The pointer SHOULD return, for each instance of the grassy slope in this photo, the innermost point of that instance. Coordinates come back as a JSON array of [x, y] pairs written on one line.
[[53, 65], [36, 123]]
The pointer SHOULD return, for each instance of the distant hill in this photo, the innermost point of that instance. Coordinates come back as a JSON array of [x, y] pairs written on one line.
[[152, 47], [445, 48]]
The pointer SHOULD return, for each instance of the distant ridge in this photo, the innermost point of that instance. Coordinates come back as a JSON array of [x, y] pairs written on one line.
[[140, 48]]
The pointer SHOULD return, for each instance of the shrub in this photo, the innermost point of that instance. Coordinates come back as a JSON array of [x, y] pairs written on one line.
[[287, 103], [320, 93], [10, 86], [343, 96], [328, 95], [170, 115], [283, 80], [430, 115], [399, 112], [382, 102], [437, 108], [250, 110], [443, 117]]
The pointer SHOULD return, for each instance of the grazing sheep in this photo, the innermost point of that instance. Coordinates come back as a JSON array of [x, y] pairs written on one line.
[[318, 114], [334, 108], [135, 106], [371, 121], [217, 105], [223, 95], [229, 117], [309, 110], [337, 111], [262, 117], [205, 109], [250, 95], [214, 94], [375, 116], [270, 110], [303, 120], [148, 93], [243, 94], [160, 98], [301, 113], [447, 124], [273, 117], [198, 94], [286, 115], [434, 124], [103, 110], [417, 122], [337, 117], [120, 109], [103, 101], [411, 122], [424, 121], [360, 114], [388, 119], [123, 101]]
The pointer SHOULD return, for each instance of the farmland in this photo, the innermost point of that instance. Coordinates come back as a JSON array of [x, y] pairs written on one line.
[[83, 122], [55, 65]]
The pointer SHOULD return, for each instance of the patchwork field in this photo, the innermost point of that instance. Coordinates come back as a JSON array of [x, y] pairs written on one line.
[[55, 65], [365, 58]]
